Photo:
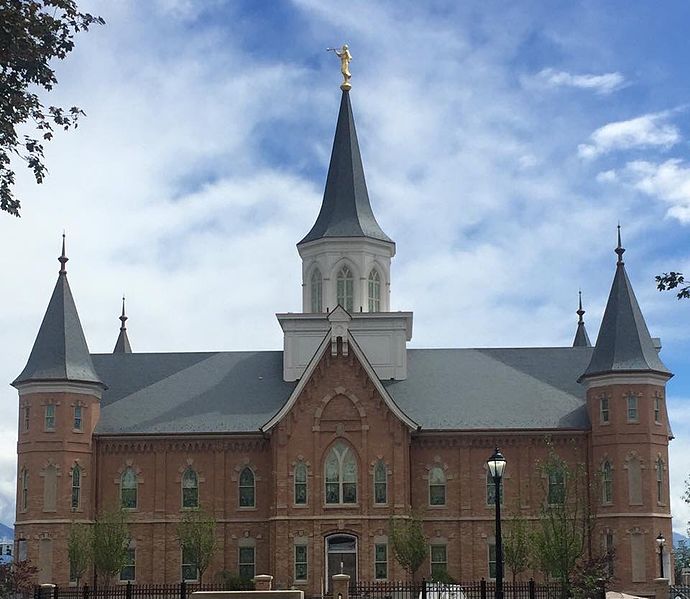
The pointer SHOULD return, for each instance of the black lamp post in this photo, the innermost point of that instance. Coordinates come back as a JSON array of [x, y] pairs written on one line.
[[497, 464], [660, 540]]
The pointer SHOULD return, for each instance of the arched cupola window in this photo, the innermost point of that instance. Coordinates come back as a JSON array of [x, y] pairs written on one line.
[[190, 488], [374, 287], [606, 483], [316, 291], [128, 489], [247, 488], [341, 474], [345, 288]]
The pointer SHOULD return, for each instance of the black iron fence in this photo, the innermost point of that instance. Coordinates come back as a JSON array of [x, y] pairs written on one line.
[[483, 589], [679, 591], [182, 590]]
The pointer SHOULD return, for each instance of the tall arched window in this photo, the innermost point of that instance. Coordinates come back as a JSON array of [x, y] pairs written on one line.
[[380, 483], [659, 480], [345, 288], [190, 488], [128, 489], [606, 483], [301, 483], [76, 487], [25, 489], [247, 489], [341, 474], [316, 290], [556, 494], [437, 486], [374, 291], [49, 488]]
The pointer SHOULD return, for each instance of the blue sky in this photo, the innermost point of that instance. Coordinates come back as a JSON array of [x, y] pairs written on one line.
[[502, 143]]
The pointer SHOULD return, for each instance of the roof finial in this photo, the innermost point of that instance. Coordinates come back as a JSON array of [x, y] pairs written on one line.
[[580, 312], [620, 250], [63, 258], [345, 58], [123, 318]]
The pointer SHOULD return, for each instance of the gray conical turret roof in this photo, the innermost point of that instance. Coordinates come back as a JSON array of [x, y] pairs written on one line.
[[581, 336], [345, 210], [60, 352], [624, 344], [122, 345]]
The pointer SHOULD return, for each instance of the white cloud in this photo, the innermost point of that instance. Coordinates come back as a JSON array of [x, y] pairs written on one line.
[[603, 84], [645, 131]]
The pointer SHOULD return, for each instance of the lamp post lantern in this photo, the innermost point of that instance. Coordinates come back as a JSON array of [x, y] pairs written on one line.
[[497, 464], [660, 540]]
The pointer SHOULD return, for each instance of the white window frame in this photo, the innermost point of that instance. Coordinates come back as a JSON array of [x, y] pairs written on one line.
[[606, 483], [76, 487], [188, 564], [300, 467], [437, 563], [316, 291], [345, 288], [134, 487], [443, 485], [657, 410], [491, 548], [247, 487], [374, 291], [378, 562], [632, 408], [131, 563], [604, 410], [78, 419], [380, 467], [660, 481], [301, 560], [26, 417], [49, 418], [343, 453], [185, 485], [245, 564]]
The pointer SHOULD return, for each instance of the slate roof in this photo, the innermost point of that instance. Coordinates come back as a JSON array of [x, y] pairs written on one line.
[[448, 389], [60, 352], [345, 210], [624, 343]]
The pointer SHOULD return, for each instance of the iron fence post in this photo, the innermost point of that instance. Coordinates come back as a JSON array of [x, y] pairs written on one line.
[[423, 588], [532, 590], [183, 590], [482, 588]]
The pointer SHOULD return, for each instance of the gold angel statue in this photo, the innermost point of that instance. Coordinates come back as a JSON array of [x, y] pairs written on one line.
[[345, 58]]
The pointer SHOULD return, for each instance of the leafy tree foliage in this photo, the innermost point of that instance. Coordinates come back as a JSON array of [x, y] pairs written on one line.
[[110, 542], [681, 559], [673, 280], [197, 535], [408, 543], [79, 549], [516, 545], [16, 578], [33, 34]]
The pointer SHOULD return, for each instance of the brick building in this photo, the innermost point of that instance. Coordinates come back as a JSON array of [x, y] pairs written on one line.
[[304, 455]]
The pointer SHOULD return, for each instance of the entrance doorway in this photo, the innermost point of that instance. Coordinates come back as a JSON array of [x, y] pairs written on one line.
[[341, 557]]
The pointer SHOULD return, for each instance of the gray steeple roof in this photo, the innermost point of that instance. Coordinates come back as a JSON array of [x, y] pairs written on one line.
[[122, 345], [581, 336], [345, 210], [60, 352], [624, 343]]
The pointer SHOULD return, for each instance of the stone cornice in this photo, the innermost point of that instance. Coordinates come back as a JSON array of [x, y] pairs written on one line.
[[142, 444], [60, 387]]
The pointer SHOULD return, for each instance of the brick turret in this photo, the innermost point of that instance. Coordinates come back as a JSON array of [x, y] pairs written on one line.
[[626, 382], [59, 405]]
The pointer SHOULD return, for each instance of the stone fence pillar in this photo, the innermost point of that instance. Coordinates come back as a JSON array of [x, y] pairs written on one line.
[[661, 590], [341, 586], [262, 582]]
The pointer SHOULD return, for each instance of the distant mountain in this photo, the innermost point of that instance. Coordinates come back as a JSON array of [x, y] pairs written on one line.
[[678, 537], [6, 532]]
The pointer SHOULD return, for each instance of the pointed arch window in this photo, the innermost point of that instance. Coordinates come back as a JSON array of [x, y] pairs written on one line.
[[345, 288], [316, 291], [247, 488], [300, 484], [380, 483], [128, 489], [76, 487], [190, 488], [556, 494], [25, 489], [606, 483], [659, 480], [341, 474], [437, 486], [374, 287]]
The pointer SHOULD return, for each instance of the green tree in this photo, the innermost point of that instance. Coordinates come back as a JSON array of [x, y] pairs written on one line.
[[17, 578], [197, 535], [681, 555], [563, 534], [409, 544], [673, 280], [110, 543], [516, 545], [79, 550], [33, 35]]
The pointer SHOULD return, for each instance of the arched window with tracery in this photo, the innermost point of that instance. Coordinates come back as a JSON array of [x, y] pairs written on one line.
[[76, 487], [380, 483], [300, 483], [341, 474], [659, 480], [345, 288], [437, 486], [190, 488], [316, 291], [374, 286], [606, 483], [128, 489], [247, 488]]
